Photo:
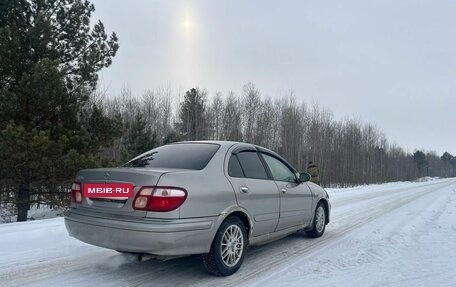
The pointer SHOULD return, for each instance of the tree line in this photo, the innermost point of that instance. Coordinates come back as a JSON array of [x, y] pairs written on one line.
[[348, 152]]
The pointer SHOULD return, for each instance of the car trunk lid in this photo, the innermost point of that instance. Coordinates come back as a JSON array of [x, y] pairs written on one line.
[[139, 177]]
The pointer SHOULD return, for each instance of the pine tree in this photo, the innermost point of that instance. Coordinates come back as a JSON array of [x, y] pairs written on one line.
[[139, 137], [449, 162], [192, 115], [421, 162], [49, 58]]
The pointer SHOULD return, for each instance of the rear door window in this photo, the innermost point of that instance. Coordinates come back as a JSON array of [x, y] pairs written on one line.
[[251, 165], [234, 167]]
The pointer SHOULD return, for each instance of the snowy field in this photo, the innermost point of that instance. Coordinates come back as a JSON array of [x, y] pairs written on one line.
[[399, 234]]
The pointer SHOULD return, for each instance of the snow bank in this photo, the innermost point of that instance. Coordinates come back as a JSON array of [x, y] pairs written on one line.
[[35, 213]]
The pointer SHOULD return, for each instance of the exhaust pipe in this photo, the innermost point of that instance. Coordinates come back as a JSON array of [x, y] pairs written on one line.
[[145, 257]]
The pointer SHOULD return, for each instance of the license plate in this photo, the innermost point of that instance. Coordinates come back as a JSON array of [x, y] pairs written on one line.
[[108, 190]]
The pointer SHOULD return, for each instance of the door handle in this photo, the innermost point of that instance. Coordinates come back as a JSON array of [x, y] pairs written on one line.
[[284, 190], [244, 189]]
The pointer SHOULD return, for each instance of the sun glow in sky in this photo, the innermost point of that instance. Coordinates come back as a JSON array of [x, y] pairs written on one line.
[[187, 23]]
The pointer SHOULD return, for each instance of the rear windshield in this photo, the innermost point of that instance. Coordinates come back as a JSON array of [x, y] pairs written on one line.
[[182, 156]]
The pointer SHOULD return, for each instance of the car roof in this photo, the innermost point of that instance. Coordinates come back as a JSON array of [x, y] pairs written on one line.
[[228, 144], [222, 143]]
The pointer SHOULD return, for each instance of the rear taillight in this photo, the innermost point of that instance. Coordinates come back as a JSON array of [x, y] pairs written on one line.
[[159, 198], [76, 192]]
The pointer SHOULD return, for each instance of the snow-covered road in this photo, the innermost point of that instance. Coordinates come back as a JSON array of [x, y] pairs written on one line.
[[399, 234]]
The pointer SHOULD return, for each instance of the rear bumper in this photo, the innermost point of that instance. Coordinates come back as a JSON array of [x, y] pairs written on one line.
[[164, 237]]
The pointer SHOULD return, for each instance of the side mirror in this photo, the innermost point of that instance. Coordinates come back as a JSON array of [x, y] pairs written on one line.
[[304, 176]]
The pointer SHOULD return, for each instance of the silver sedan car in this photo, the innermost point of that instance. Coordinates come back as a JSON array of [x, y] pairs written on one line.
[[208, 197]]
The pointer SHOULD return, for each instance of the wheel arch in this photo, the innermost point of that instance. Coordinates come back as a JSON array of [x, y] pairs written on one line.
[[242, 214], [245, 219]]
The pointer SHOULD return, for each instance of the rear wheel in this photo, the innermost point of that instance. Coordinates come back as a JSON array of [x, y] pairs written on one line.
[[319, 222], [228, 248]]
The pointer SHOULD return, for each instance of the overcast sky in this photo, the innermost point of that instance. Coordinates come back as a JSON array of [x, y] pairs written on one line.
[[390, 63]]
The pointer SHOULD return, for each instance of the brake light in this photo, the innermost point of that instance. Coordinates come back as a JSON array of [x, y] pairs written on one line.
[[76, 192], [159, 198]]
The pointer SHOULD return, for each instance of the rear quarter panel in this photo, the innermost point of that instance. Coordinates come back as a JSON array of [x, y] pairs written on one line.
[[209, 192]]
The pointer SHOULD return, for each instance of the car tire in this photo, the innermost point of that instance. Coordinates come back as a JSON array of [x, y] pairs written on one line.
[[228, 248], [319, 222]]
